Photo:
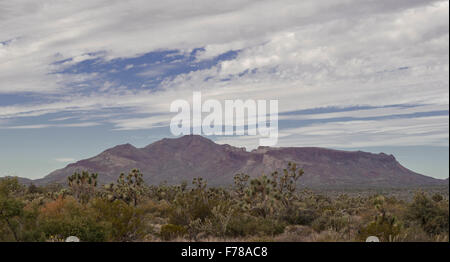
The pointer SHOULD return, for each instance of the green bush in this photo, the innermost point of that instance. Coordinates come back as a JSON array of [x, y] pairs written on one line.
[[86, 230], [171, 231], [121, 221], [300, 216], [196, 204], [66, 217], [432, 215], [246, 225], [328, 221]]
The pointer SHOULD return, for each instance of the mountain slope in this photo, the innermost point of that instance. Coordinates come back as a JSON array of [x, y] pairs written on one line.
[[21, 180], [181, 159]]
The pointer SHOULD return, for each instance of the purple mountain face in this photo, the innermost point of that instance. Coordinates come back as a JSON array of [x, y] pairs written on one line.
[[182, 159]]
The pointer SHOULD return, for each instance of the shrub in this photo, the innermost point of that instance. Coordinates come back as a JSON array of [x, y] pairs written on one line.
[[171, 231], [330, 221], [245, 225], [300, 216], [384, 227], [196, 204], [66, 217], [437, 197], [432, 215], [121, 221]]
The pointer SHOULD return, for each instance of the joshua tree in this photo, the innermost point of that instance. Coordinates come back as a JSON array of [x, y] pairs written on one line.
[[265, 194], [129, 188], [83, 186], [240, 183], [286, 184]]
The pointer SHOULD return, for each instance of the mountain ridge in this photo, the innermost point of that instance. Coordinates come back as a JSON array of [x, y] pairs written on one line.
[[174, 160]]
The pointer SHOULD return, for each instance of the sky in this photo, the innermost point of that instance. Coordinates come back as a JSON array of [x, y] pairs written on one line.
[[78, 77]]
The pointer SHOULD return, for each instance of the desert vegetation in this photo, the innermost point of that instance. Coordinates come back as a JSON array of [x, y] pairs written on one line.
[[265, 208]]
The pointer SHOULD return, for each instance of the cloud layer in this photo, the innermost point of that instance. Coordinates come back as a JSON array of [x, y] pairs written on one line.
[[89, 63]]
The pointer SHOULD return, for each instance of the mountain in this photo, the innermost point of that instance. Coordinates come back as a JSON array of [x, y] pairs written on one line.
[[182, 159], [21, 180]]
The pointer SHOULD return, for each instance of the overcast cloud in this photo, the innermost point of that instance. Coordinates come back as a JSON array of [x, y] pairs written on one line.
[[81, 64]]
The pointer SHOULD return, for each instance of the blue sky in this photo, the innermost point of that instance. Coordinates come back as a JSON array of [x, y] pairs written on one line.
[[80, 77]]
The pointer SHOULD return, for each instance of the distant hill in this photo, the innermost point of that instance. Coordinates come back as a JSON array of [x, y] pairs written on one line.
[[21, 180], [182, 159]]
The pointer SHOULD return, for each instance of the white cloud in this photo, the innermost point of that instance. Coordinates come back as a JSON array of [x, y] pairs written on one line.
[[365, 113], [39, 126], [65, 160], [48, 31], [431, 131], [306, 54]]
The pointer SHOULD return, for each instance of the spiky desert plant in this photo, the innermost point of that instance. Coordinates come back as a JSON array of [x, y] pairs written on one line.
[[129, 188], [267, 195], [82, 185], [286, 183], [240, 184]]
